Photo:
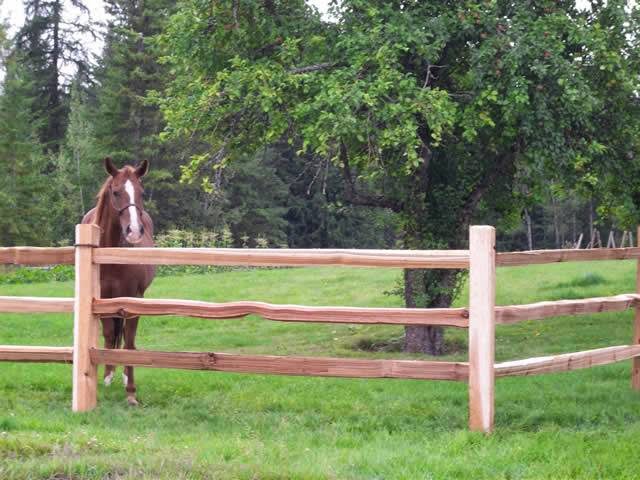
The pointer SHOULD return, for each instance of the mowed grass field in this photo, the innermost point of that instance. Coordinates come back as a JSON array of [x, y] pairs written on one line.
[[193, 425]]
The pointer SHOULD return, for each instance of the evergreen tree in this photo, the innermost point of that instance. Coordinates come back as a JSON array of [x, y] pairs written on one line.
[[45, 43], [128, 126], [318, 213], [4, 41], [79, 170], [286, 200], [24, 204]]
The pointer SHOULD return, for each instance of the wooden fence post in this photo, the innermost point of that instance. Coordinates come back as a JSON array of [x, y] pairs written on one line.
[[85, 323], [635, 362], [482, 292]]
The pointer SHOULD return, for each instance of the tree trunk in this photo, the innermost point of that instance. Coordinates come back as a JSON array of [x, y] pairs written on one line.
[[55, 127], [591, 230], [427, 289], [527, 218], [556, 223]]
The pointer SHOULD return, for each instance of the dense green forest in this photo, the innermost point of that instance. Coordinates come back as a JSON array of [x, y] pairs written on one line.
[[384, 124], [62, 111]]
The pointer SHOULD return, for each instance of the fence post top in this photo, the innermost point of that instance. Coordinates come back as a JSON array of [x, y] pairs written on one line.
[[482, 228], [87, 235]]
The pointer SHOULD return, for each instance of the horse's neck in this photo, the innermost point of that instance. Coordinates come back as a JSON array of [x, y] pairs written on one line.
[[111, 235]]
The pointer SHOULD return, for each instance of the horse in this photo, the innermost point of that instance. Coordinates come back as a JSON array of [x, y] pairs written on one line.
[[123, 222]]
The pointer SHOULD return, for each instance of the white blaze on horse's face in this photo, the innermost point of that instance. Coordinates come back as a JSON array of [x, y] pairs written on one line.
[[126, 200], [134, 232]]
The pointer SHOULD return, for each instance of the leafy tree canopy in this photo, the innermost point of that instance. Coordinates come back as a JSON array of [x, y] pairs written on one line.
[[532, 90], [434, 109]]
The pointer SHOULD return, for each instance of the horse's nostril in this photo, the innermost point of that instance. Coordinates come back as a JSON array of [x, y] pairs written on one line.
[[128, 229], [141, 230]]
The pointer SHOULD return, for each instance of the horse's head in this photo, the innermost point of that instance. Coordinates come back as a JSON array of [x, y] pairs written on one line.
[[125, 197]]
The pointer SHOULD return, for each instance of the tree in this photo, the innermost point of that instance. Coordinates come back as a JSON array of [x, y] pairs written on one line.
[[318, 215], [24, 205], [45, 43], [128, 126], [79, 170], [4, 41], [437, 110]]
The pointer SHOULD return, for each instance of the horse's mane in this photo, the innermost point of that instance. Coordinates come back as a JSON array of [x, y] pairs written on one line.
[[103, 203]]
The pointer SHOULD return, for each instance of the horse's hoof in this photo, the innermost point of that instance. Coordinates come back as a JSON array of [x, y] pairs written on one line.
[[131, 400], [108, 379]]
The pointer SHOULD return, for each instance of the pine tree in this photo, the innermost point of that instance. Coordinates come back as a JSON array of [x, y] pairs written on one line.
[[4, 41], [24, 205], [128, 126], [45, 43], [78, 165]]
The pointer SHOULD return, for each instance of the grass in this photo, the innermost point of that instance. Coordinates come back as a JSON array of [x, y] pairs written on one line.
[[194, 425]]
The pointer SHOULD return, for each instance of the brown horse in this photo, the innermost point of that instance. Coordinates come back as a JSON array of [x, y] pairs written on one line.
[[123, 223]]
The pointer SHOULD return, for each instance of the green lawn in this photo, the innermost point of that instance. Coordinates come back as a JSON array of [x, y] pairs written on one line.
[[583, 424]]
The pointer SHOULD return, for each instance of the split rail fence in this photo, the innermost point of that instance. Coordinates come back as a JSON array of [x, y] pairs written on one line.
[[480, 318]]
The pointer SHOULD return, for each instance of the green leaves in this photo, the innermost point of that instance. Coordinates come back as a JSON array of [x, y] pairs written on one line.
[[537, 90]]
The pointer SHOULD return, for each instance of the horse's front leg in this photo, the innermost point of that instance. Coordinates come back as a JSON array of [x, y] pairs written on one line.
[[111, 330], [130, 328]]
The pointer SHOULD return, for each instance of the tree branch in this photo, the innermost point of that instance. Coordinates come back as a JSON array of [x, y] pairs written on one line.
[[358, 198], [269, 48], [429, 75], [311, 68]]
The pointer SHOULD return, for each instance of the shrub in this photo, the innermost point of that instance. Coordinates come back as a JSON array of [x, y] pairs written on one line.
[[21, 275]]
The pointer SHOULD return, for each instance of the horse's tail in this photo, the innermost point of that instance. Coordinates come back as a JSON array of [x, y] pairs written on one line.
[[118, 329]]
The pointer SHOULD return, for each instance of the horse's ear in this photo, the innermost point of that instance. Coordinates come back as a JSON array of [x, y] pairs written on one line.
[[142, 168], [110, 167]]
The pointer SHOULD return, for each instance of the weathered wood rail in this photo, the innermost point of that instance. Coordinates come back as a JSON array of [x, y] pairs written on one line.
[[37, 255], [284, 257], [567, 361], [453, 317], [16, 353], [271, 364], [480, 317]]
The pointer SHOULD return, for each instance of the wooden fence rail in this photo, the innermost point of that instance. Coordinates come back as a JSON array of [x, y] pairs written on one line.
[[480, 318], [125, 306], [284, 257], [36, 305], [540, 310], [37, 256], [279, 365], [533, 257], [567, 361], [14, 353]]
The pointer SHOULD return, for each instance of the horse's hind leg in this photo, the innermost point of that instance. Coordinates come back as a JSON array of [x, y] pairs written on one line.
[[110, 332], [130, 328]]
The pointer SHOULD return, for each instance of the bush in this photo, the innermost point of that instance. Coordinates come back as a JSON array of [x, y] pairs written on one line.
[[20, 275]]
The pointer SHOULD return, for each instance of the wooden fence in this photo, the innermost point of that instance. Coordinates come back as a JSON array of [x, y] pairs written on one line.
[[480, 317]]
